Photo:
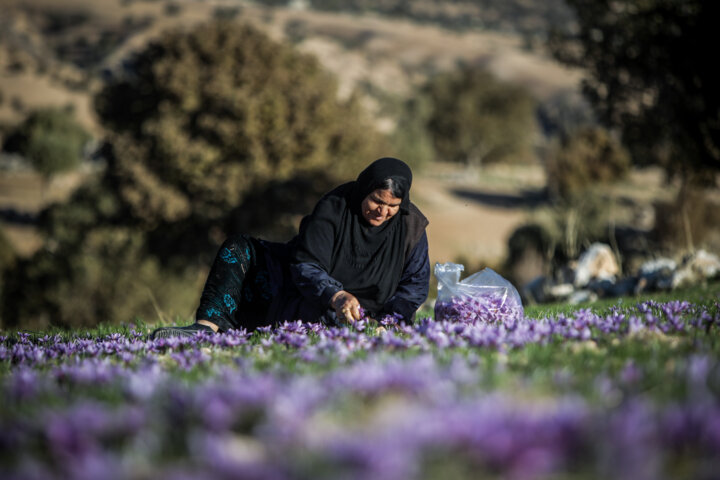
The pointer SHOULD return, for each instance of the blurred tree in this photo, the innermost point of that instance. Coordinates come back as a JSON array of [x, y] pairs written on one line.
[[585, 158], [7, 259], [7, 252], [584, 161], [530, 250], [213, 131], [111, 279], [51, 140], [207, 116], [477, 119], [649, 74], [565, 112], [690, 219], [410, 138]]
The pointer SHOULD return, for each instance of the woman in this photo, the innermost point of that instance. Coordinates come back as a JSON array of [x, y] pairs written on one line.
[[364, 245]]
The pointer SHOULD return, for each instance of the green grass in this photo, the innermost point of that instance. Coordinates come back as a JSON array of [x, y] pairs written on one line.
[[704, 295], [605, 373]]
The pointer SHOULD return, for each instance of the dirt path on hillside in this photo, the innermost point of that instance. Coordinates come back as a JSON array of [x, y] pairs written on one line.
[[472, 214], [462, 228]]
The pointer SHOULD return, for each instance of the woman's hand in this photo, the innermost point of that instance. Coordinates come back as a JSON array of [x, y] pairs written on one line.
[[346, 306]]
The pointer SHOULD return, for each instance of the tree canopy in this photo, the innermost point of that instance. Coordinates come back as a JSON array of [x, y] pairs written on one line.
[[652, 76], [478, 119], [587, 157], [212, 131], [204, 117], [51, 140]]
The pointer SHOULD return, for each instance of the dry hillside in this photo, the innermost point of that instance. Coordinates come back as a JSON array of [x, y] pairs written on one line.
[[39, 57], [55, 53]]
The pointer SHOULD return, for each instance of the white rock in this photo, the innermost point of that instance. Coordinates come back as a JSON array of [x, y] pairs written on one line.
[[706, 263], [656, 274], [582, 296], [597, 262], [696, 268], [658, 265], [561, 291]]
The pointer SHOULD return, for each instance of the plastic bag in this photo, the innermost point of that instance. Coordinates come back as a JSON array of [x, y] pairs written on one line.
[[484, 296]]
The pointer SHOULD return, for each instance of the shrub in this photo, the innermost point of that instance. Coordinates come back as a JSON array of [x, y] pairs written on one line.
[[587, 157], [7, 260], [213, 131], [411, 139], [7, 252], [107, 277], [173, 9], [478, 119], [564, 113], [530, 251], [570, 225], [687, 221], [226, 13], [645, 77], [209, 115], [51, 140]]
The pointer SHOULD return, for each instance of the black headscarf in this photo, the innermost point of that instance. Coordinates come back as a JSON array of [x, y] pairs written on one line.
[[376, 173], [367, 260]]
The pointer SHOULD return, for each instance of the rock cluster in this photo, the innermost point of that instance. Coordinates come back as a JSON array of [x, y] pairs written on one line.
[[597, 274]]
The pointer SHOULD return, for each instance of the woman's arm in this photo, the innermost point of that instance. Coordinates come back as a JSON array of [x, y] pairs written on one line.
[[414, 284], [314, 283], [317, 286]]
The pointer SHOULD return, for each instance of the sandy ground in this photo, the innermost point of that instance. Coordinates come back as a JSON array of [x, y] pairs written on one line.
[[471, 218], [45, 93]]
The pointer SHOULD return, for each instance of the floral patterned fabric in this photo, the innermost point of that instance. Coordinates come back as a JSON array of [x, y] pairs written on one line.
[[238, 291]]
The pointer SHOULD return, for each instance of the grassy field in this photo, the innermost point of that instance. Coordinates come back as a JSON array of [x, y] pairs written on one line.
[[622, 389]]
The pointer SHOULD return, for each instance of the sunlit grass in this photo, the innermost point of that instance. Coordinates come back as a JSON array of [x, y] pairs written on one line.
[[360, 386]]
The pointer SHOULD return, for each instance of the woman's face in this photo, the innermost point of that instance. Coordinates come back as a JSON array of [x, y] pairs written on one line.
[[380, 206]]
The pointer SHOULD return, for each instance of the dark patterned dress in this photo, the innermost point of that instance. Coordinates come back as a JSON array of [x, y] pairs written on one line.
[[253, 283], [238, 291]]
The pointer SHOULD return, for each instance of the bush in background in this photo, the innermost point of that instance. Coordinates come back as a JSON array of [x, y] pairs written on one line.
[[207, 116], [557, 234], [585, 158], [530, 251], [109, 279], [477, 119], [7, 260], [689, 221], [95, 268], [51, 140], [411, 139], [7, 252], [564, 113], [226, 13], [647, 78], [208, 129]]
